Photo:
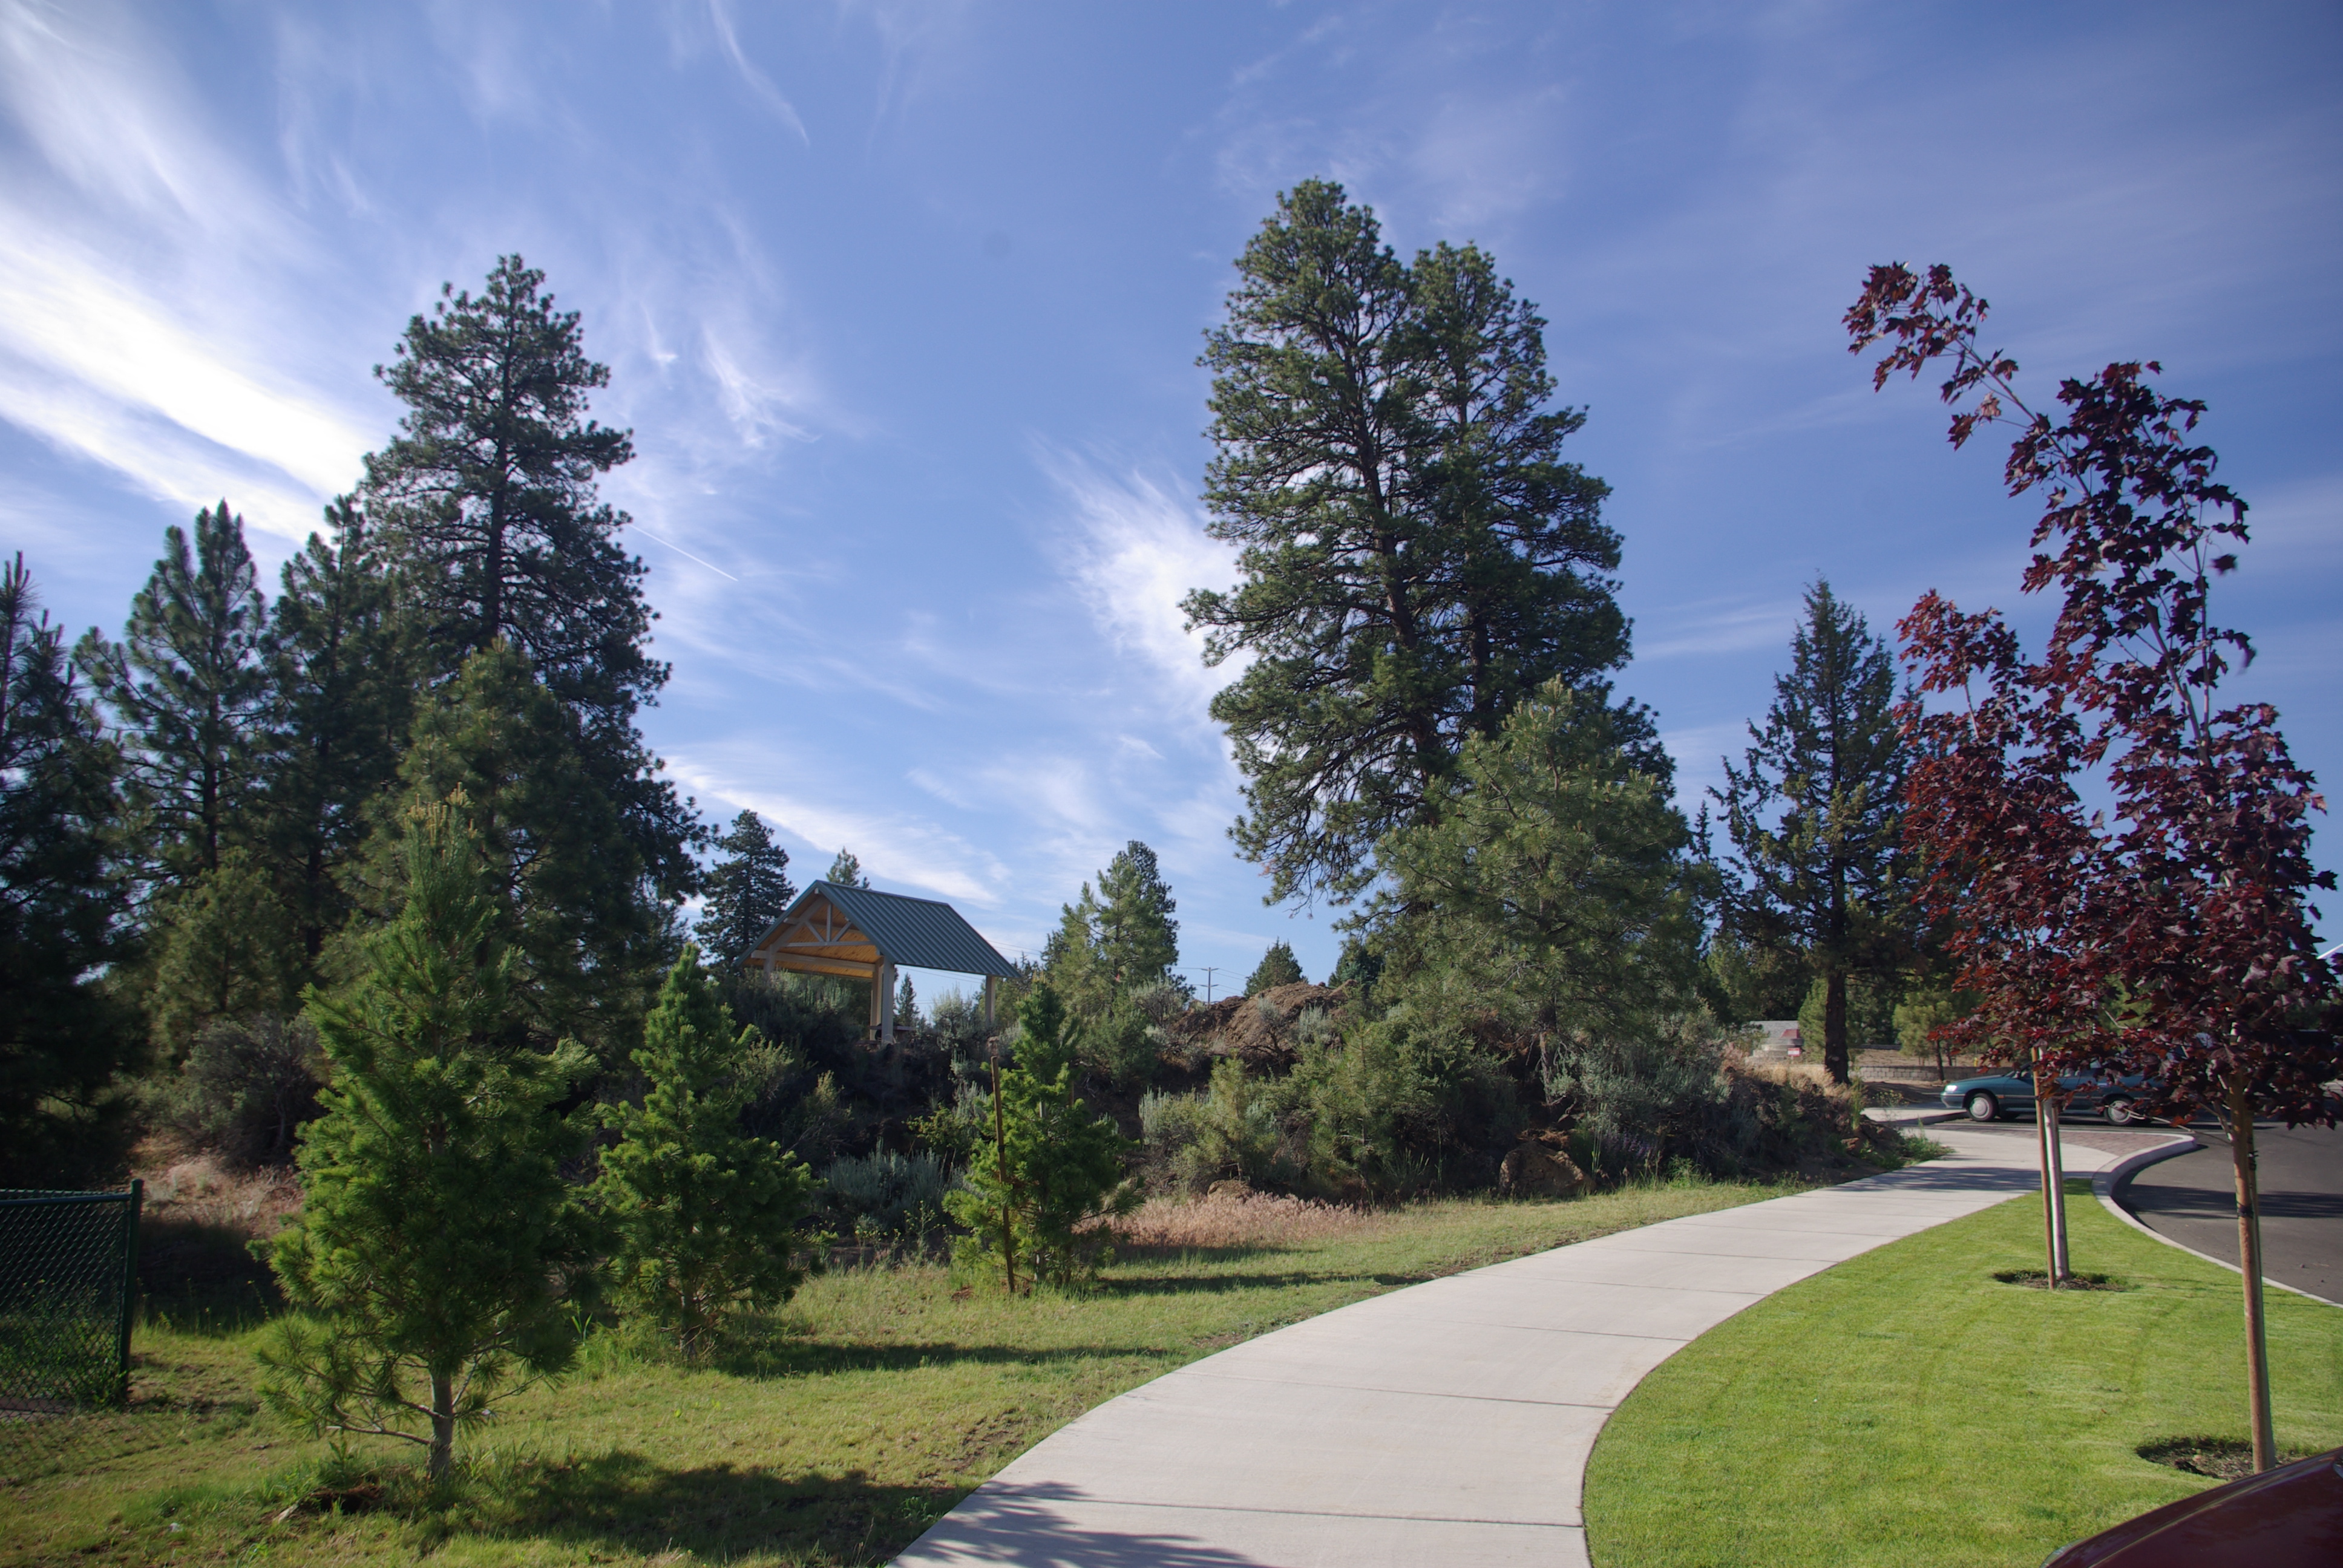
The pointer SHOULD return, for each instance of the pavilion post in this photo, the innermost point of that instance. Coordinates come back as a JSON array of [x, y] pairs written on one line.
[[886, 988], [992, 992]]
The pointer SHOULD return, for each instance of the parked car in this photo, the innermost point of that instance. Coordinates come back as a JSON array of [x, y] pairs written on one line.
[[1995, 1095], [2290, 1517]]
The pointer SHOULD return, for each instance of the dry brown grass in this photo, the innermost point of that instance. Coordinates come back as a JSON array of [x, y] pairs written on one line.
[[1241, 1218], [196, 1190]]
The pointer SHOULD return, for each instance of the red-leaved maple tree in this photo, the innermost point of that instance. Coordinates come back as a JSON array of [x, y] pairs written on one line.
[[2170, 934]]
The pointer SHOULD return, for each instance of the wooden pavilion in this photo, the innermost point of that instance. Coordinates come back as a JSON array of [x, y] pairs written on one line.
[[858, 933]]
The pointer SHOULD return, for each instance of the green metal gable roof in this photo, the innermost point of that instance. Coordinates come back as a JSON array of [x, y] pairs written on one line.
[[913, 933]]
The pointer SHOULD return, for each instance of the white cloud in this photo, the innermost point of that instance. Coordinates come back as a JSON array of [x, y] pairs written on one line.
[[1717, 627], [1136, 551], [893, 847], [719, 11], [1700, 752], [108, 120], [100, 334], [756, 401], [137, 319]]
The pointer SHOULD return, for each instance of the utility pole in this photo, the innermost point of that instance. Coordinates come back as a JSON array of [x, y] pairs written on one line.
[[1210, 970]]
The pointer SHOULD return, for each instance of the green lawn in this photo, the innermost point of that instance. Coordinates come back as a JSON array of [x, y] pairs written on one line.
[[1907, 1407], [855, 1418]]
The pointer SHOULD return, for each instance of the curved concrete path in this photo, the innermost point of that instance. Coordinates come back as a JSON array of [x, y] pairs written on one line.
[[1448, 1423]]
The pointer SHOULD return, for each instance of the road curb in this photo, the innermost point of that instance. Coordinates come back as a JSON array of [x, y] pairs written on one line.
[[2105, 1182]]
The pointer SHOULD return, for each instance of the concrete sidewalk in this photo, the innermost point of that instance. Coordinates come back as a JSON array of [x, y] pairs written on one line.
[[1448, 1423]]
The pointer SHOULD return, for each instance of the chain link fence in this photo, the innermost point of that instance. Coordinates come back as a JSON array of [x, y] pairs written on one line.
[[68, 1280]]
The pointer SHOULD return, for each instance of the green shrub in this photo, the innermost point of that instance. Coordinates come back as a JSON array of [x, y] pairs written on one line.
[[1647, 1099], [1406, 1104], [1394, 1108], [1241, 1128], [248, 1087], [889, 1193]]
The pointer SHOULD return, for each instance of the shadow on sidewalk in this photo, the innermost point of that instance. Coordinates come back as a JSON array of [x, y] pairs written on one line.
[[1018, 1523]]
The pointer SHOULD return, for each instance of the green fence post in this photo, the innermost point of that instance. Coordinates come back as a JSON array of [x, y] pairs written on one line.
[[129, 1283]]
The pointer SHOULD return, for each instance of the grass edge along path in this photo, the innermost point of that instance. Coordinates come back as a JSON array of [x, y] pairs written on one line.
[[835, 1434], [1907, 1407]]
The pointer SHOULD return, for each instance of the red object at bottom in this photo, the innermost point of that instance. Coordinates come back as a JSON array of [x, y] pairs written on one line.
[[2290, 1517]]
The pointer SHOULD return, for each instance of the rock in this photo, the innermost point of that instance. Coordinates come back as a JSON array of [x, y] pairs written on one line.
[[1229, 1189], [1531, 1171]]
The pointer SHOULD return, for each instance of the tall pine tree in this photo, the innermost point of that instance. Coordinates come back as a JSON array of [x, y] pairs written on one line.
[[344, 680], [1137, 938], [64, 907], [189, 689], [488, 514], [559, 862], [1278, 967], [1816, 815], [747, 892], [1417, 556]]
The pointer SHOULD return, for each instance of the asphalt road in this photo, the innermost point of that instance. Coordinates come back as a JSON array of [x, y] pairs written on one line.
[[2192, 1198]]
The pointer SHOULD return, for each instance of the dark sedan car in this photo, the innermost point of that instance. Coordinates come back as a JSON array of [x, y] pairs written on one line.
[[1998, 1094]]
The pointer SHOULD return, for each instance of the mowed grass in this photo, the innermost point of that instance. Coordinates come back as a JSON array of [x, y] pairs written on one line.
[[834, 1432], [1907, 1407]]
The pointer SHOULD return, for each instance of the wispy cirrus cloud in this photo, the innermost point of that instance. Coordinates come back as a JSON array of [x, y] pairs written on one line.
[[893, 846], [1137, 549], [719, 14], [143, 284]]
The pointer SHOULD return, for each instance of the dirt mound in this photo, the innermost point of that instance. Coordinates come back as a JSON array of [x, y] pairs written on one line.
[[1256, 1030]]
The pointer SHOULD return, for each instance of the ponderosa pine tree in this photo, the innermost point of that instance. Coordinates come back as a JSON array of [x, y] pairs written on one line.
[[1138, 940], [1418, 558], [1053, 1167], [1552, 877], [189, 689], [1815, 812], [746, 891], [229, 949], [707, 1217], [485, 507], [64, 910], [345, 683], [556, 862], [1278, 967], [439, 1253]]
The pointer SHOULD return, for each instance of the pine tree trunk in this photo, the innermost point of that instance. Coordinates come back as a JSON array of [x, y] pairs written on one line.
[[443, 1425], [1834, 1026], [2249, 1261]]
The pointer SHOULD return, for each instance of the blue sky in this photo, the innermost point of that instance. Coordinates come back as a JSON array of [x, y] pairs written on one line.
[[903, 301]]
